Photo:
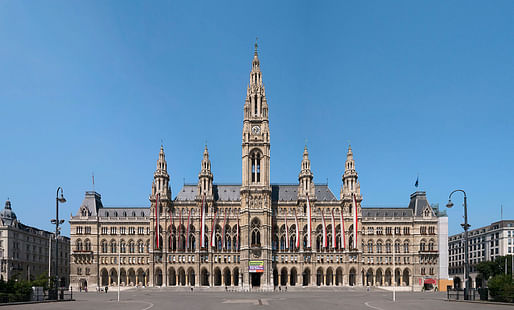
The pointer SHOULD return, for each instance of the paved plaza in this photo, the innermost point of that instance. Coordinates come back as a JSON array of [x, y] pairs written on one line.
[[312, 299]]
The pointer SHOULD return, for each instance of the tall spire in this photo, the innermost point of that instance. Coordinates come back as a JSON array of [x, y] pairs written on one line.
[[256, 132], [306, 186], [205, 176], [350, 177], [160, 184]]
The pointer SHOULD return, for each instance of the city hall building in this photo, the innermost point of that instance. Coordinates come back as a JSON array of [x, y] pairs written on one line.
[[256, 234]]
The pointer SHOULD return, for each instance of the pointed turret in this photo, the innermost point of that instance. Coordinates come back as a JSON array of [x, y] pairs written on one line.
[[350, 178], [306, 186], [205, 177], [161, 179]]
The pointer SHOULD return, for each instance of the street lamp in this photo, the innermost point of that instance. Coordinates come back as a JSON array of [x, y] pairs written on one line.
[[466, 250], [57, 222]]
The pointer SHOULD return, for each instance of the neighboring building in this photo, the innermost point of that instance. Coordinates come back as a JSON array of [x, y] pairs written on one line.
[[484, 244], [250, 228], [24, 249]]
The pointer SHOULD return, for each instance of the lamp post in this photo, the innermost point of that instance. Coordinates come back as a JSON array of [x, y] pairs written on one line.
[[57, 222], [466, 249]]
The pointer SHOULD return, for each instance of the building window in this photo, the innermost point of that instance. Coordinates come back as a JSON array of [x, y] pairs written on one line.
[[422, 245], [379, 231], [389, 231], [406, 247], [113, 230], [87, 230], [105, 230]]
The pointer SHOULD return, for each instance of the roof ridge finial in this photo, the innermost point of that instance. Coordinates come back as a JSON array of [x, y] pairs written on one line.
[[256, 46]]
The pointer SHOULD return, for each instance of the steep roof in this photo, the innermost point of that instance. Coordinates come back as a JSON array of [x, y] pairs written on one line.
[[279, 192]]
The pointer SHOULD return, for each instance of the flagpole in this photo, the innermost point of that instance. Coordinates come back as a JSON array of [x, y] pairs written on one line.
[[119, 264], [394, 267]]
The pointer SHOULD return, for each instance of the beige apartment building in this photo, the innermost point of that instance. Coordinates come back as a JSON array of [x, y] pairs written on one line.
[[255, 234], [25, 251]]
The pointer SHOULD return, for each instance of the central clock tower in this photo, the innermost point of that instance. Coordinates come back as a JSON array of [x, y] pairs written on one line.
[[255, 215]]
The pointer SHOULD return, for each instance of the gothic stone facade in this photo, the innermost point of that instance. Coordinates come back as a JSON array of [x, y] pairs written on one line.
[[253, 246]]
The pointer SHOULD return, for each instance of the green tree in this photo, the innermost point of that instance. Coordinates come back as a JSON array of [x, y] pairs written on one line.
[[501, 288]]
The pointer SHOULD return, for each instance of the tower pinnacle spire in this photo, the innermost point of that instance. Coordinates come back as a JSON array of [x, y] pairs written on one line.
[[160, 184], [205, 176], [350, 177], [306, 186]]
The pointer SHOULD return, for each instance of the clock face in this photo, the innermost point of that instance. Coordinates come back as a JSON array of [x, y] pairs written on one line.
[[256, 130]]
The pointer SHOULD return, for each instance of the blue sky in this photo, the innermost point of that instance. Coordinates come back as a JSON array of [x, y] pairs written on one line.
[[415, 87]]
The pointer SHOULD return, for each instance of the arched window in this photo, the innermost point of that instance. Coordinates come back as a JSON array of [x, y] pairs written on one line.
[[122, 247], [113, 246], [431, 245], [379, 246], [256, 234], [87, 245], [370, 246], [104, 246], [132, 247], [78, 245], [388, 246], [397, 246], [406, 247], [140, 246], [256, 167], [422, 245]]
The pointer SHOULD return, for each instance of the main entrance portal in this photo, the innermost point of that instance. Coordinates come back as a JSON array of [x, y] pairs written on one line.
[[256, 279]]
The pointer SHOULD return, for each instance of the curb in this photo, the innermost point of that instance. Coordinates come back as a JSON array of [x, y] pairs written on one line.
[[32, 302]]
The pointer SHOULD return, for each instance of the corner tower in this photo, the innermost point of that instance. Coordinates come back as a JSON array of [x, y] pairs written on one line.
[[255, 215]]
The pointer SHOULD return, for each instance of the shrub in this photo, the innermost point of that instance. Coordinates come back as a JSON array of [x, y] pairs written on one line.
[[501, 288]]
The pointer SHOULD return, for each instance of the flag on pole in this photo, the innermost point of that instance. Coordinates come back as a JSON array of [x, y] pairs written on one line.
[[309, 244], [343, 237], [287, 231], [325, 244], [297, 230], [355, 229], [171, 229], [187, 229], [223, 234], [180, 224], [333, 231], [213, 235], [237, 234], [157, 226], [202, 224]]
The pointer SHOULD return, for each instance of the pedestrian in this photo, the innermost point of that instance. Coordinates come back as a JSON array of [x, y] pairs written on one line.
[[106, 288]]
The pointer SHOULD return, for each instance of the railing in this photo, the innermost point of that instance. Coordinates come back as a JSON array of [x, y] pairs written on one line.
[[459, 294]]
